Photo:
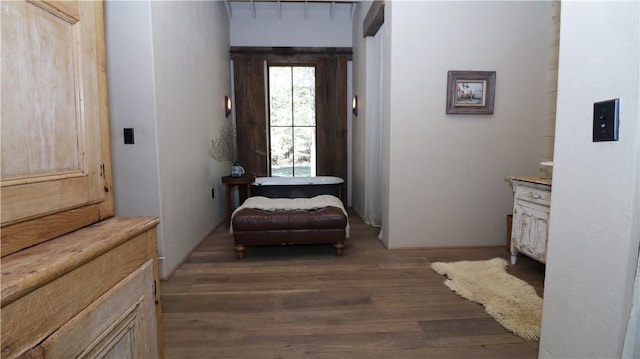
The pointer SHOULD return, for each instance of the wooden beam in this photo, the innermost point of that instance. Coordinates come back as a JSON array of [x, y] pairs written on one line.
[[374, 19], [289, 51]]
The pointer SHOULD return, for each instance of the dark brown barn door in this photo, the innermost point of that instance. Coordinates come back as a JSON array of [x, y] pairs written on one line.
[[331, 92], [251, 116]]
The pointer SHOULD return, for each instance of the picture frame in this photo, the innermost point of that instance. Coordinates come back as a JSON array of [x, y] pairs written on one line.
[[471, 92]]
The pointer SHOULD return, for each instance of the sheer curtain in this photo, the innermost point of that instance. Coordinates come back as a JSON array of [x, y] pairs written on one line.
[[373, 187], [631, 347]]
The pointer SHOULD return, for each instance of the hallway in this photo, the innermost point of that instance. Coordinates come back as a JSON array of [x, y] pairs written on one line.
[[295, 301]]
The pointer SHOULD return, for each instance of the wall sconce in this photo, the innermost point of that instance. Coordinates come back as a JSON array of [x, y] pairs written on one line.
[[354, 105], [227, 106]]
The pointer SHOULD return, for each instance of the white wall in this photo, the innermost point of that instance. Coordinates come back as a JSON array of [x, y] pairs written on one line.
[[445, 173], [132, 105], [367, 54], [290, 27], [359, 129], [170, 74], [595, 205]]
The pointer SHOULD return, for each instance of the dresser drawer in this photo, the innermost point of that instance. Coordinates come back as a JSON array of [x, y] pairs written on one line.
[[534, 195]]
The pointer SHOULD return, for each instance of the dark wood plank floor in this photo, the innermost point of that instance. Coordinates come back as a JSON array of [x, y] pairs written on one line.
[[304, 301]]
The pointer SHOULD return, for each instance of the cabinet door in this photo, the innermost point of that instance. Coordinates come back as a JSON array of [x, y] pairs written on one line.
[[120, 324], [531, 225], [52, 107]]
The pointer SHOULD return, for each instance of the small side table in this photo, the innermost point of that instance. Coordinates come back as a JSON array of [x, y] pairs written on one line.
[[246, 180]]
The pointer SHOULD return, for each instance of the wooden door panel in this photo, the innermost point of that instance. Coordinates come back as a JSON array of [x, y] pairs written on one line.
[[45, 136], [251, 116], [61, 194], [50, 138], [119, 325], [532, 223], [331, 90]]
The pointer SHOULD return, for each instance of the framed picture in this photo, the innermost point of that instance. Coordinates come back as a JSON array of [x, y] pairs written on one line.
[[470, 92]]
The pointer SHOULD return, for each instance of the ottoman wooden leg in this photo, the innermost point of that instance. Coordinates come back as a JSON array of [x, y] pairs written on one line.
[[240, 248], [339, 246]]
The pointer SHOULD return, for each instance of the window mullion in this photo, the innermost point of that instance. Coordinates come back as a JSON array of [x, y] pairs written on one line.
[[293, 128]]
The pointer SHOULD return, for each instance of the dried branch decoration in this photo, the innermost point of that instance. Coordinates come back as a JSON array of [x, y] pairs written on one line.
[[222, 147]]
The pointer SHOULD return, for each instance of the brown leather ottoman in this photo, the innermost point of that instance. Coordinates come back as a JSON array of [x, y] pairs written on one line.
[[260, 227]]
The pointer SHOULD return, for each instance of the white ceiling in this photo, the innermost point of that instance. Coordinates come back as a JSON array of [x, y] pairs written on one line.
[[282, 8]]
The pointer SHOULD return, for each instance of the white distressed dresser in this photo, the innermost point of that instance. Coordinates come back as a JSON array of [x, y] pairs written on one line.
[[530, 228]]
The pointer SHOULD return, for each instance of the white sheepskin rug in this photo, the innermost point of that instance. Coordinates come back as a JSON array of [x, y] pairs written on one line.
[[512, 302]]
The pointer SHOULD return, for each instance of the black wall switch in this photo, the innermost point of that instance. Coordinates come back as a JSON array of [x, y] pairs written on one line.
[[606, 120], [128, 136]]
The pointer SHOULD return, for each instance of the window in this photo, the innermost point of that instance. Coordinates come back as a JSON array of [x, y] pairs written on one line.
[[292, 121], [328, 148]]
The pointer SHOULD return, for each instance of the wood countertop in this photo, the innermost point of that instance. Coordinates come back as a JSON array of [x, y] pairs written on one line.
[[532, 179], [32, 268]]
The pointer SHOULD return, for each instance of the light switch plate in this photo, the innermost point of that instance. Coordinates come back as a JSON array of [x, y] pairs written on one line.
[[128, 136], [606, 120]]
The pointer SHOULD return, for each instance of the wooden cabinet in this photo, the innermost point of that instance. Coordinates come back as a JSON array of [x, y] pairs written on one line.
[[55, 149], [75, 281], [63, 297], [530, 226], [116, 325]]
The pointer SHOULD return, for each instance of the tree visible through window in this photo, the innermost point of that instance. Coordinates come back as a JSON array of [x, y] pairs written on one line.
[[292, 121]]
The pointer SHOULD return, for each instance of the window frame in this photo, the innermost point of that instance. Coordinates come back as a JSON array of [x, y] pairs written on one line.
[[290, 64]]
